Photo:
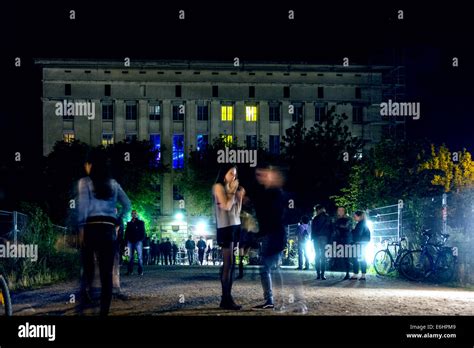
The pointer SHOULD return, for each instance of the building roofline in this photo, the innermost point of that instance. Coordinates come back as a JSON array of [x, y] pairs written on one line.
[[207, 65]]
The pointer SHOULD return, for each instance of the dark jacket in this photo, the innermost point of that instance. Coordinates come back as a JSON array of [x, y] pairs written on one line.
[[321, 226], [201, 245], [270, 207], [343, 229], [361, 232], [135, 231], [166, 247], [190, 245]]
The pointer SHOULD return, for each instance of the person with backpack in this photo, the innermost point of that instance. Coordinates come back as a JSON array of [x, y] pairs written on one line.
[[361, 238], [302, 238], [321, 231]]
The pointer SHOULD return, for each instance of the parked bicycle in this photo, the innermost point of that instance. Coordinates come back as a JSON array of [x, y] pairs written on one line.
[[385, 262], [5, 299], [433, 260]]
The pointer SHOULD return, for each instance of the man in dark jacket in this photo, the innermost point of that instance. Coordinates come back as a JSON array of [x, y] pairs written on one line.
[[134, 235], [175, 251], [270, 208], [190, 245], [321, 231], [201, 245], [167, 251], [342, 229]]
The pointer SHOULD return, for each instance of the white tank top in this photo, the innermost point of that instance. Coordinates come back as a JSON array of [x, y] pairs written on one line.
[[226, 218]]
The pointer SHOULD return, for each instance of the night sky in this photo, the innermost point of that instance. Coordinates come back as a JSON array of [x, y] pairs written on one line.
[[425, 40]]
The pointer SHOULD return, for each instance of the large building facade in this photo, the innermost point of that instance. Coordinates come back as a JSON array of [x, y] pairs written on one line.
[[179, 105]]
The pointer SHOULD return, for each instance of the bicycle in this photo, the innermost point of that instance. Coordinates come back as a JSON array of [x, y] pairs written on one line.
[[385, 262], [5, 299], [434, 259]]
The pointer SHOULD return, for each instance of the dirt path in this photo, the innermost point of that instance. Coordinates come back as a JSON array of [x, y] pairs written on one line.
[[183, 290]]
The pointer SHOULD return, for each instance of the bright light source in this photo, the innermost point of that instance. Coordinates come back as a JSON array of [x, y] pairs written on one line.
[[309, 249], [370, 250], [370, 225], [201, 228], [179, 216]]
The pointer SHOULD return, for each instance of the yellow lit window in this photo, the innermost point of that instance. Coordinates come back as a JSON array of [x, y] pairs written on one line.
[[107, 139], [251, 113], [68, 137], [227, 139], [227, 112]]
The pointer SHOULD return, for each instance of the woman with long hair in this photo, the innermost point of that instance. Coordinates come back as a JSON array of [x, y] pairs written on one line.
[[227, 196], [98, 195]]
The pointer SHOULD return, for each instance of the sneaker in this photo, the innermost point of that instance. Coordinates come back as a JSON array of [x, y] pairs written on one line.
[[318, 277], [323, 277], [269, 306], [140, 274], [347, 277], [362, 279]]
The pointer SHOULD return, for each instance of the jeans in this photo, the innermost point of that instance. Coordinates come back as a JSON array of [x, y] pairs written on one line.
[[190, 256], [99, 239], [201, 255], [302, 252], [138, 246], [360, 262], [320, 243], [268, 264]]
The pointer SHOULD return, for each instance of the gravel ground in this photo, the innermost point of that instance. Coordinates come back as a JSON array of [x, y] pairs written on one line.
[[184, 290]]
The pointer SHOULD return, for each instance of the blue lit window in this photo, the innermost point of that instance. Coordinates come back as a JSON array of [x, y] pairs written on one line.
[[202, 141], [178, 151], [155, 141]]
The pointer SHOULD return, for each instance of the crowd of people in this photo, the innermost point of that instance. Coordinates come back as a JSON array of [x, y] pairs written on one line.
[[104, 239]]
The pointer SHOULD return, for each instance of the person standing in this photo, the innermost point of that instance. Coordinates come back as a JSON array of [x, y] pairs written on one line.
[[190, 246], [167, 251], [303, 237], [201, 245], [361, 238], [270, 206], [227, 197], [343, 228], [98, 195], [321, 231], [175, 251], [135, 234], [208, 254]]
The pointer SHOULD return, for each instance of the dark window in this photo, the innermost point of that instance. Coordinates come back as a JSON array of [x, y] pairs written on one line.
[[131, 112], [358, 93], [107, 111], [286, 92], [202, 142], [320, 92], [130, 138], [155, 112], [177, 196], [178, 112], [274, 113], [215, 91], [251, 91], [357, 114], [107, 90], [67, 89], [319, 113], [178, 151], [203, 112], [178, 91], [251, 141], [297, 113], [274, 144]]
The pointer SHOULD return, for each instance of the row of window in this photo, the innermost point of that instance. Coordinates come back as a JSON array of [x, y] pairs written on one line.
[[215, 91], [202, 140], [227, 112]]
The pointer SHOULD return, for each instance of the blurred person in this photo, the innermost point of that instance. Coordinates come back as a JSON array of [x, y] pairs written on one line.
[[248, 230], [98, 195], [302, 239], [167, 249], [146, 250], [343, 229], [190, 246], [321, 231], [361, 238], [208, 254], [118, 243], [201, 245], [154, 249], [175, 252], [134, 235], [227, 197]]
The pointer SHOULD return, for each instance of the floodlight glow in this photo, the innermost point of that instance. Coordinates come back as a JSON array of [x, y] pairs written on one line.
[[179, 216], [370, 249], [309, 249], [201, 228]]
